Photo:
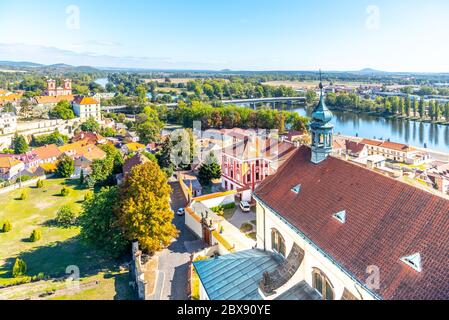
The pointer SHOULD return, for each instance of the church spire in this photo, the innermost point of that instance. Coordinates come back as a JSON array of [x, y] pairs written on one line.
[[321, 129]]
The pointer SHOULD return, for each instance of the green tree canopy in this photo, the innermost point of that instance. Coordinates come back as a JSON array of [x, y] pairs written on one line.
[[62, 110], [19, 144], [65, 167], [209, 170], [99, 222]]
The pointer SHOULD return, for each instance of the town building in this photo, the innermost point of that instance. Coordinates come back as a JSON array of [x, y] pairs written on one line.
[[48, 154], [396, 151], [87, 107], [103, 95], [49, 102], [331, 229], [10, 167], [132, 147], [355, 149], [9, 97], [439, 177], [84, 152], [8, 122], [250, 159], [89, 137], [55, 91]]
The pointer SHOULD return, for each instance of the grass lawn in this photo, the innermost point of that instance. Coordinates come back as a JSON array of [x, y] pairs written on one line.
[[104, 286], [59, 247]]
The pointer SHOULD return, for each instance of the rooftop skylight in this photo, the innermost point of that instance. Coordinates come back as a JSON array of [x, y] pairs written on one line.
[[413, 261], [296, 189], [340, 216]]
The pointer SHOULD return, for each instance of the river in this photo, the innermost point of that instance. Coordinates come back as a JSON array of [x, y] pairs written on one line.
[[413, 133], [102, 82]]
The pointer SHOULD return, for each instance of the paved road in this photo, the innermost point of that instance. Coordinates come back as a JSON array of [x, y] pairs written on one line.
[[173, 261]]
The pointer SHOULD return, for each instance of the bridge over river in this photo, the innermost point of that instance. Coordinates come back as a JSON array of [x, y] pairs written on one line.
[[251, 102]]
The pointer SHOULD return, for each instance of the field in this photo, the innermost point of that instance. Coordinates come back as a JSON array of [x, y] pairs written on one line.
[[59, 247], [307, 85], [172, 80]]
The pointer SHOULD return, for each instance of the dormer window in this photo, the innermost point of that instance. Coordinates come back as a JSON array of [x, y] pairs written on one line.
[[340, 216], [413, 261], [296, 189]]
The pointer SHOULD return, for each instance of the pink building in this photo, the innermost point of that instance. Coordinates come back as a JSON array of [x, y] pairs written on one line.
[[250, 159]]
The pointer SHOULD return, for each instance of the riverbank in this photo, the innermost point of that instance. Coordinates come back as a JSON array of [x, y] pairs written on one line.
[[390, 116], [435, 154]]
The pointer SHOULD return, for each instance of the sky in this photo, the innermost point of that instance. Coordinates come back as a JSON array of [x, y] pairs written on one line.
[[388, 35]]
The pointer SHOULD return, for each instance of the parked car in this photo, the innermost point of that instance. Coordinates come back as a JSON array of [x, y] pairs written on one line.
[[180, 212], [245, 206]]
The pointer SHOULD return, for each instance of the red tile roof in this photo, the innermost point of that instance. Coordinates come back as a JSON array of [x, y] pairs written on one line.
[[385, 220], [47, 152], [354, 147], [387, 144]]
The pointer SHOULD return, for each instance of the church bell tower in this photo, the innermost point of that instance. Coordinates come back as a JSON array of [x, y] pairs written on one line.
[[321, 129]]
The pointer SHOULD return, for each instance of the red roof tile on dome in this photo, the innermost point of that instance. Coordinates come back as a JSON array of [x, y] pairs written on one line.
[[385, 220]]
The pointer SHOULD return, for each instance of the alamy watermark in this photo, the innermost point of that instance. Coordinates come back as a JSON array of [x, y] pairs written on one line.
[[72, 21]]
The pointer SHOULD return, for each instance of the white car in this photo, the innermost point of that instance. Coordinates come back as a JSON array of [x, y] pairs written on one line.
[[180, 212], [244, 205]]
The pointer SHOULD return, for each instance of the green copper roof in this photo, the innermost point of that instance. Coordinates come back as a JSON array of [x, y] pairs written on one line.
[[321, 113]]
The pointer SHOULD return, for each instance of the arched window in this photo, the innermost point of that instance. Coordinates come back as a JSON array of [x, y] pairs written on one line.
[[322, 284], [277, 242]]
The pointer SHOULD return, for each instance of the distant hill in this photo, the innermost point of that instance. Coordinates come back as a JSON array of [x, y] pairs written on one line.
[[20, 64], [58, 67], [369, 71]]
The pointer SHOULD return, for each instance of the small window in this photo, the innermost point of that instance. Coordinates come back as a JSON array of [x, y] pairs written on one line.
[[340, 216], [322, 284], [296, 189], [277, 242], [413, 261]]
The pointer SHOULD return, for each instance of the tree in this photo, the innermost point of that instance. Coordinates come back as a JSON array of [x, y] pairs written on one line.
[[64, 192], [81, 180], [65, 167], [19, 268], [19, 144], [415, 107], [24, 195], [90, 125], [62, 110], [209, 170], [40, 184], [446, 112], [311, 96], [53, 138], [421, 108], [65, 216], [6, 227], [99, 222], [144, 211], [36, 235], [148, 125]]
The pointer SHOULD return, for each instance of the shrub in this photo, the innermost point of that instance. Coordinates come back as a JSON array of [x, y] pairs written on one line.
[[23, 178], [88, 196], [64, 192], [19, 268], [220, 209], [36, 235], [65, 216], [40, 184], [246, 227], [23, 195], [6, 226]]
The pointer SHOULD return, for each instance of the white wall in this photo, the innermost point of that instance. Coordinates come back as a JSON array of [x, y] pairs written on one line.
[[193, 225], [313, 258], [219, 201]]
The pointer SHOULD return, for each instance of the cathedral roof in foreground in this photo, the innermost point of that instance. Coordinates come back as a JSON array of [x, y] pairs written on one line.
[[361, 218]]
